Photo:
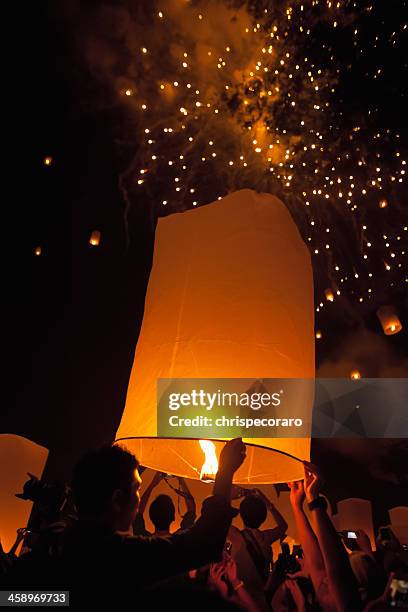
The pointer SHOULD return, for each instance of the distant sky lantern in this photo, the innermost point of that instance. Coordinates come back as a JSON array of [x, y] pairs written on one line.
[[48, 160], [37, 251], [329, 295], [95, 238], [389, 320], [355, 375], [319, 334], [230, 295], [383, 203]]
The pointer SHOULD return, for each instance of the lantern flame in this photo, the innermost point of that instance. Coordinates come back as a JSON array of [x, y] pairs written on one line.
[[355, 375], [210, 465]]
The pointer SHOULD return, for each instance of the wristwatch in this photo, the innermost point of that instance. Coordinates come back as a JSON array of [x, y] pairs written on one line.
[[318, 502]]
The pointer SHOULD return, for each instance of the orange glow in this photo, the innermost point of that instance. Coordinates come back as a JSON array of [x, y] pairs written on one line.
[[319, 334], [18, 456], [383, 204], [208, 315], [329, 295], [37, 251], [389, 320], [210, 465], [95, 238], [355, 375], [48, 160]]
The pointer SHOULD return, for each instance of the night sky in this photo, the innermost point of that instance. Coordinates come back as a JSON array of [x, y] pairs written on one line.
[[82, 77]]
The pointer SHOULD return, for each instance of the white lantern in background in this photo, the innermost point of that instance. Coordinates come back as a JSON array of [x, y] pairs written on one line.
[[17, 457]]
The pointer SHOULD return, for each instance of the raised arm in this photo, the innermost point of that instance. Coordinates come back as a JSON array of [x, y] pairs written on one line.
[[281, 525], [231, 458], [190, 501], [21, 532], [341, 580], [146, 494], [312, 555], [364, 544], [190, 516]]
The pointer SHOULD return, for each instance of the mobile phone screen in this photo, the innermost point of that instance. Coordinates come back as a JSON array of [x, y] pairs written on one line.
[[352, 535]]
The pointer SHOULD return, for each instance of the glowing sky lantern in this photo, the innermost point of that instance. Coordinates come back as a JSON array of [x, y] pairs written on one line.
[[389, 320], [230, 295], [329, 295], [18, 456], [355, 375], [95, 238]]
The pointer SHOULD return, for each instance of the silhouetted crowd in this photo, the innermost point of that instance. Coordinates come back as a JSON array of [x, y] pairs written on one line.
[[92, 541]]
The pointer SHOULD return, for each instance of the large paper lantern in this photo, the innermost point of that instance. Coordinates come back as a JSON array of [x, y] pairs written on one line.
[[230, 295], [17, 457]]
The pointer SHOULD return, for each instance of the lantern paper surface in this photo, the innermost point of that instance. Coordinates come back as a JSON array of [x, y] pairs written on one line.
[[17, 457], [230, 295], [389, 320]]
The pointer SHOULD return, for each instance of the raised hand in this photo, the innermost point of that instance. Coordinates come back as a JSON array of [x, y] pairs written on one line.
[[216, 574], [312, 481], [231, 571], [232, 456], [21, 532], [363, 542], [297, 493]]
